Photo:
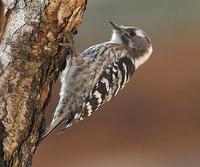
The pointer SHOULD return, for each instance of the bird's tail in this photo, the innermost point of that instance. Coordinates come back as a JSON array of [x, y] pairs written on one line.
[[50, 128]]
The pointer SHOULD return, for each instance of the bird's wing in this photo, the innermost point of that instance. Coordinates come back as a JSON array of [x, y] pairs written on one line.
[[108, 85]]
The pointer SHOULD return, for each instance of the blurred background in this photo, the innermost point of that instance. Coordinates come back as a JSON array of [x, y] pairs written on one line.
[[155, 120]]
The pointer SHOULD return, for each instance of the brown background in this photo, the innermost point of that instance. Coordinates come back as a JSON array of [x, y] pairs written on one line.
[[155, 120]]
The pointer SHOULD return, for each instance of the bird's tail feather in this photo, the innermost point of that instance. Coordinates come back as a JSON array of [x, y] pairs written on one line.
[[51, 127]]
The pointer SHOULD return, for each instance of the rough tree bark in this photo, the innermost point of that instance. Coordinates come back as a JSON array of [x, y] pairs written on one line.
[[30, 62]]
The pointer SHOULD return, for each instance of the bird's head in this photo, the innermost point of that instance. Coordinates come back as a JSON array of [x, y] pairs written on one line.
[[131, 37], [134, 39]]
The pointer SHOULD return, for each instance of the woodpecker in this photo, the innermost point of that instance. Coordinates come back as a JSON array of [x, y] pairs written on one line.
[[96, 75]]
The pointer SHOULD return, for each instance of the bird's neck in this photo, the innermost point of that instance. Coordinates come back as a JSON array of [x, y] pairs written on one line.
[[141, 58]]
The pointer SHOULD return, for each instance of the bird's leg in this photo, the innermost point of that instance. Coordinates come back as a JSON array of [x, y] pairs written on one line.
[[68, 42]]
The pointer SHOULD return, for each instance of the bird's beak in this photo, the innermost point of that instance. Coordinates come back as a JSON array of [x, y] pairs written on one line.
[[115, 26]]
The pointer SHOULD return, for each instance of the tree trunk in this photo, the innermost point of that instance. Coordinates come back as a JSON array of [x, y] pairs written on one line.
[[30, 61]]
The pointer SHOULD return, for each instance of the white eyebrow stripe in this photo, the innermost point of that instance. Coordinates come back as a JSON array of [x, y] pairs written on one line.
[[140, 33]]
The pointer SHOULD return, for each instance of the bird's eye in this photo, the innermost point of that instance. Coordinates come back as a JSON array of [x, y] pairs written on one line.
[[132, 33]]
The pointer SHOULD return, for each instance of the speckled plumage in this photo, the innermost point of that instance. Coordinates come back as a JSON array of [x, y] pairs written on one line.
[[101, 71]]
